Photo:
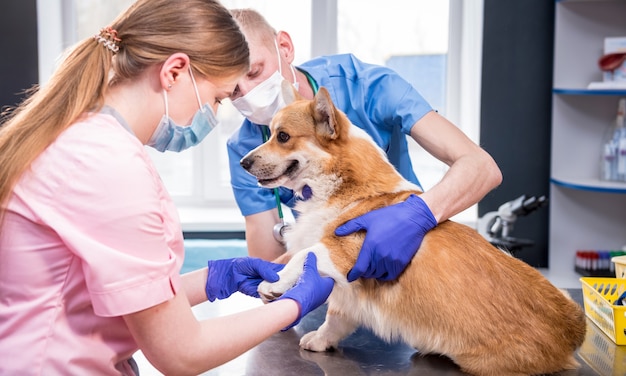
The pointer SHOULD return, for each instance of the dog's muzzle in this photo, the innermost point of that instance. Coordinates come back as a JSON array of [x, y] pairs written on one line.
[[247, 163]]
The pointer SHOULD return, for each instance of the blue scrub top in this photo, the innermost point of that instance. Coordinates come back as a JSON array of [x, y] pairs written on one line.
[[375, 98]]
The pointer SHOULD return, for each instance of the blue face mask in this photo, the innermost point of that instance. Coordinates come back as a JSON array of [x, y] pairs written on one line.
[[170, 136]]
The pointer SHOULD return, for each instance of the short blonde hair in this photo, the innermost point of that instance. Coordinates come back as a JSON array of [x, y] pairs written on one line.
[[253, 24]]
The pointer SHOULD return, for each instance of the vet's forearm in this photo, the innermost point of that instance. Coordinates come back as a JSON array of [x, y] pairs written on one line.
[[458, 189], [230, 336], [194, 285]]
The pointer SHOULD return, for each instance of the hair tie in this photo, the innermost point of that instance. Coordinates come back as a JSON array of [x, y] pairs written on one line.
[[108, 38]]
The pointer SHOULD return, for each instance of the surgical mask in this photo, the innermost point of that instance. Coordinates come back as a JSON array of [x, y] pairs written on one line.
[[261, 103], [170, 136]]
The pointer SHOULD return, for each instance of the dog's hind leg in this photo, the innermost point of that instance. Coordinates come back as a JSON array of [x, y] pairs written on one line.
[[336, 327]]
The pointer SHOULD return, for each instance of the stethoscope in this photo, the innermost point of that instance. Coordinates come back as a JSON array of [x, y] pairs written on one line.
[[282, 226], [279, 228]]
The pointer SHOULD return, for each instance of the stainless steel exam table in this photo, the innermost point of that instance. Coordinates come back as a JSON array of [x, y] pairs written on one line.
[[362, 353]]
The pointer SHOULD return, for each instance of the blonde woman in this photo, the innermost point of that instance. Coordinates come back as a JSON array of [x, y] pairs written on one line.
[[90, 243]]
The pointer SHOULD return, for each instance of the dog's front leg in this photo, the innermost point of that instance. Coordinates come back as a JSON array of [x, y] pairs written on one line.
[[288, 277], [336, 327], [294, 268]]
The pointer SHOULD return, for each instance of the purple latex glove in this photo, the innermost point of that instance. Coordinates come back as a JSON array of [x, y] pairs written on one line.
[[239, 274], [394, 234], [311, 290]]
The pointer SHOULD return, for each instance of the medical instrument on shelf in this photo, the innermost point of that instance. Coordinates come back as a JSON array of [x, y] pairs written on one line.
[[497, 226]]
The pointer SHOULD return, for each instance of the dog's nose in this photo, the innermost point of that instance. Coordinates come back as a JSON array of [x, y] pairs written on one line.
[[246, 163]]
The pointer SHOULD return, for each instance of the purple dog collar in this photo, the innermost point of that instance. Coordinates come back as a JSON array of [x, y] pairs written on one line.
[[307, 193]]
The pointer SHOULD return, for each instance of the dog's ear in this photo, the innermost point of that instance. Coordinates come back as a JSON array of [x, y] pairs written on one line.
[[324, 114], [290, 94]]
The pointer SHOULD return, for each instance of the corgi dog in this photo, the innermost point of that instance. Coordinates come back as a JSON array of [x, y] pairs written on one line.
[[460, 296]]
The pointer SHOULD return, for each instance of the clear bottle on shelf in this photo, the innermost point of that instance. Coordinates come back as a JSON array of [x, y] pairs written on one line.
[[613, 167]]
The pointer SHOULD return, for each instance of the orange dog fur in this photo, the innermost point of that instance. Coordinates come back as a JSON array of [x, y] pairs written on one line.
[[491, 313]]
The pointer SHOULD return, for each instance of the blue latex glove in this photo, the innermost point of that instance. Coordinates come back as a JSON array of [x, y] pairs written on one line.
[[311, 290], [239, 274], [394, 234]]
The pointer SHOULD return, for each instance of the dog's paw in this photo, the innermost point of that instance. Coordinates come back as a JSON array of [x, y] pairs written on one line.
[[272, 291], [314, 341], [265, 292]]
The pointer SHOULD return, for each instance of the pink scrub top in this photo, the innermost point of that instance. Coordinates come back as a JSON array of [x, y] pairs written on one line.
[[90, 235]]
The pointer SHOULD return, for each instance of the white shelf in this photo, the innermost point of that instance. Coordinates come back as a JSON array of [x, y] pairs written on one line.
[[586, 91], [585, 212], [592, 185]]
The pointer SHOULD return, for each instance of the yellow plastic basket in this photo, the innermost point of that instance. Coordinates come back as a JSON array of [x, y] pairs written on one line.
[[620, 266], [598, 297]]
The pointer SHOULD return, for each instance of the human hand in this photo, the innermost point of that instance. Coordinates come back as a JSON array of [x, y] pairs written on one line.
[[394, 234], [239, 274], [311, 290]]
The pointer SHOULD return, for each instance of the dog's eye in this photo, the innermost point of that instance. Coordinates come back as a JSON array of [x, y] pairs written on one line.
[[282, 137]]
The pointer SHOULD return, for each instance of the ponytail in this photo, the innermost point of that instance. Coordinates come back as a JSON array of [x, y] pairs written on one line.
[[78, 85]]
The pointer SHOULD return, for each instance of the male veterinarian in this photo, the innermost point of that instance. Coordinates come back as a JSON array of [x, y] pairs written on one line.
[[386, 106]]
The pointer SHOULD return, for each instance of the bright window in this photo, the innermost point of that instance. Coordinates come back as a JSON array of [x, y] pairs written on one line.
[[411, 36]]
